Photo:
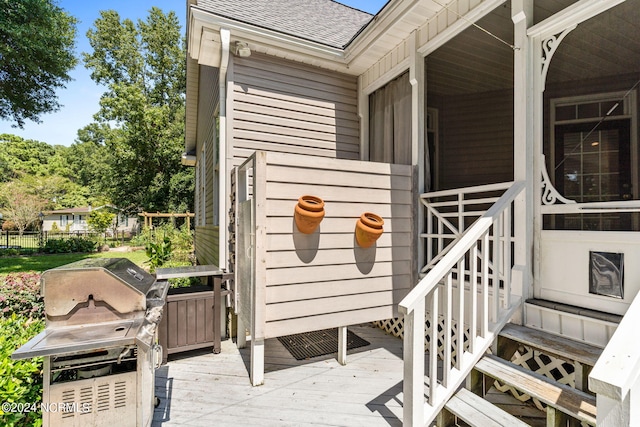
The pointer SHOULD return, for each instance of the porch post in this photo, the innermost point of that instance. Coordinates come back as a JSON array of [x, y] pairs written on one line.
[[224, 151], [523, 162], [417, 81]]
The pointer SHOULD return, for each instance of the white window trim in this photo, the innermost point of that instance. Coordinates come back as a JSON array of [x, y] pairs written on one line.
[[629, 104]]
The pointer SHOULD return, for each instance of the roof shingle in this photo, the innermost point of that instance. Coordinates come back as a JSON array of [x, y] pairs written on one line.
[[322, 21]]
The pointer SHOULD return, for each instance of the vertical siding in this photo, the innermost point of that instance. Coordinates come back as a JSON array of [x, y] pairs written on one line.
[[206, 242], [325, 279], [475, 139], [281, 106]]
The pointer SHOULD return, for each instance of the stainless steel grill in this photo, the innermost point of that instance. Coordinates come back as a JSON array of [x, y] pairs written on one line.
[[99, 343]]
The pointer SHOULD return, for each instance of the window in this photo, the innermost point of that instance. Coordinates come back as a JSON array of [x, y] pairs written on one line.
[[594, 156]]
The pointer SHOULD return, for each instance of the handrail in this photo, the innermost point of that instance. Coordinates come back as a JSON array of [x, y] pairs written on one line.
[[480, 227], [486, 247], [469, 190], [617, 370]]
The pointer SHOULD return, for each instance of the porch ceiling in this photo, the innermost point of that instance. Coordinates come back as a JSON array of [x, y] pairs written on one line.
[[474, 61]]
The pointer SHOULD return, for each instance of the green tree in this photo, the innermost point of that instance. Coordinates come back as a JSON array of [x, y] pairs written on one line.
[[141, 117], [100, 220], [87, 161], [25, 156], [37, 41], [20, 207]]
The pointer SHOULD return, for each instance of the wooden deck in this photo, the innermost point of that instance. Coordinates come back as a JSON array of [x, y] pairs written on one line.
[[204, 389]]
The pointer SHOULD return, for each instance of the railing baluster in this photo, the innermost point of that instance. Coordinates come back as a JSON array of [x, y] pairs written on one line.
[[496, 270], [460, 314], [506, 263], [485, 285], [413, 354], [473, 294], [433, 347], [448, 313]]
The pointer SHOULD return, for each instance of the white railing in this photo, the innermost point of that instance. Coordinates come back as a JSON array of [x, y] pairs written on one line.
[[616, 376], [490, 305], [450, 212]]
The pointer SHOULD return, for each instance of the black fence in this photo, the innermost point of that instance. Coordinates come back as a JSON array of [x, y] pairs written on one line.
[[37, 239]]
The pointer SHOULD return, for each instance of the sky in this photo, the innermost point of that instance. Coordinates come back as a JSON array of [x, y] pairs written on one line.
[[80, 98]]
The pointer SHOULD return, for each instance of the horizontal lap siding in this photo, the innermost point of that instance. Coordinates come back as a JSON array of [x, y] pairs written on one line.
[[206, 244], [206, 241], [285, 107], [325, 279]]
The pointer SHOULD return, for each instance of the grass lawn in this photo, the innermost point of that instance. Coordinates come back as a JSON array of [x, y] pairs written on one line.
[[41, 263]]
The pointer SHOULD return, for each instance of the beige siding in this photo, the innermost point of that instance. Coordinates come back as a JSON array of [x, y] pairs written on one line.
[[325, 279], [475, 139], [206, 244], [285, 107], [206, 241]]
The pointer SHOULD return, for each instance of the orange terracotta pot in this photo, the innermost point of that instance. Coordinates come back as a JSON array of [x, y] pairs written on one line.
[[368, 229], [308, 213]]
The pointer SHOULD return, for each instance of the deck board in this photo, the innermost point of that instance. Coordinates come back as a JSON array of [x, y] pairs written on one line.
[[207, 389]]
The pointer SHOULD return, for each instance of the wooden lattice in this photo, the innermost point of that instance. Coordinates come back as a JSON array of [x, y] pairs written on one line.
[[536, 361], [395, 327]]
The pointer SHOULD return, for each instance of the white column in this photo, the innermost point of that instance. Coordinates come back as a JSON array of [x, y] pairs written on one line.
[[224, 187], [523, 152], [418, 89]]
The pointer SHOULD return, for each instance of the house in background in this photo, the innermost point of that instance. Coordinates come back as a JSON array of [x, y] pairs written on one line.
[[498, 140], [74, 220]]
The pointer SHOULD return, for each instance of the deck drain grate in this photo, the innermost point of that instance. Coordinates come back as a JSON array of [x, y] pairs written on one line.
[[318, 343]]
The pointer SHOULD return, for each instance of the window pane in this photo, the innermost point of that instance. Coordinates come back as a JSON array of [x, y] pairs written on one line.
[[589, 110], [566, 112]]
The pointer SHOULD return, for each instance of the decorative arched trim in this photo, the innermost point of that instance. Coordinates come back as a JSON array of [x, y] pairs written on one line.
[[549, 47], [551, 196]]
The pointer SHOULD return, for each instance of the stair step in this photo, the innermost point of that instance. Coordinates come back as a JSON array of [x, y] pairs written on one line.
[[476, 411], [553, 345], [568, 400]]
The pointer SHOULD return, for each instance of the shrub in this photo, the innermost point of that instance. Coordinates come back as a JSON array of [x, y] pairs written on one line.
[[20, 295], [180, 247], [20, 380], [14, 252], [158, 252], [72, 244], [9, 252]]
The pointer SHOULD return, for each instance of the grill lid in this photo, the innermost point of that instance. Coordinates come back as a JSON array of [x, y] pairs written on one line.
[[117, 282]]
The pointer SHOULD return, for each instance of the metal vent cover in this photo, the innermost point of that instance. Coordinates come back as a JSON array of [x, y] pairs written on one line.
[[100, 402]]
